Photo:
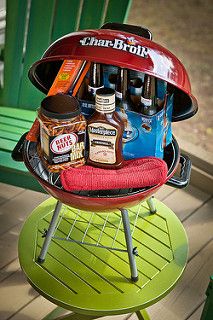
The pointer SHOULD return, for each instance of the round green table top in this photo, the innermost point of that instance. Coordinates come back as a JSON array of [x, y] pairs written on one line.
[[88, 279]]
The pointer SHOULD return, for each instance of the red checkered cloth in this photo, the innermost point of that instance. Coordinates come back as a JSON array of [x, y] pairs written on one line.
[[136, 173]]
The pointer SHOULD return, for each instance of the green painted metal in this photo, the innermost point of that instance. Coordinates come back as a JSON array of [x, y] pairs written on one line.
[[13, 51], [13, 123], [67, 15], [17, 176], [90, 280], [142, 315], [58, 314], [38, 39], [55, 314], [17, 113], [92, 15], [207, 313], [117, 10]]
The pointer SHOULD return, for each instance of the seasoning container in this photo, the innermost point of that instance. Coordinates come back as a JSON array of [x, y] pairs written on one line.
[[105, 131], [62, 132]]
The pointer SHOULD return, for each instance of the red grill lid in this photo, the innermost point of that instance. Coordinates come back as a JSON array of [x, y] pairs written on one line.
[[120, 49]]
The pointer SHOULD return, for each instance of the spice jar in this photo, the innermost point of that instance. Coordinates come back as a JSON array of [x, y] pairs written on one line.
[[62, 132]]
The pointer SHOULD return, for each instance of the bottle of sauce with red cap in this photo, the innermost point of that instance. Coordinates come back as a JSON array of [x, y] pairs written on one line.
[[105, 131]]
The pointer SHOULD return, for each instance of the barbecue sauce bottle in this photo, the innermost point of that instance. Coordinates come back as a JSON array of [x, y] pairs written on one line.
[[105, 131], [147, 105]]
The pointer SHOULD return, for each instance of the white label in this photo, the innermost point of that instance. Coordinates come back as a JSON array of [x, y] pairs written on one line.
[[105, 103], [63, 143], [93, 90], [118, 95], [102, 139], [146, 102]]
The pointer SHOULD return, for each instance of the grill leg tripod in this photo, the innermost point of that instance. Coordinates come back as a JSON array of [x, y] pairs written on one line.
[[50, 232], [125, 219], [151, 205], [130, 250]]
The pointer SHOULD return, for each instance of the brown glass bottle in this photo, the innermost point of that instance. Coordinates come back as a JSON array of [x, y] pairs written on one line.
[[165, 120], [95, 81], [121, 91], [105, 131], [124, 103], [147, 105], [135, 91]]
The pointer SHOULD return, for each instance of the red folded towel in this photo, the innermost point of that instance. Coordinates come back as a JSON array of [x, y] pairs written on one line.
[[136, 173]]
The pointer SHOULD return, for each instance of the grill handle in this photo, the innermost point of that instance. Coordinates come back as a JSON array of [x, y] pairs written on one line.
[[17, 153], [183, 180], [140, 31]]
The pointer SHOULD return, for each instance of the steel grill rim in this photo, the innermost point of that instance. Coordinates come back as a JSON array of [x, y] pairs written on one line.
[[36, 167]]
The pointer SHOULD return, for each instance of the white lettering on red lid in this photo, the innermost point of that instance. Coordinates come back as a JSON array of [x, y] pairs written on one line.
[[129, 45]]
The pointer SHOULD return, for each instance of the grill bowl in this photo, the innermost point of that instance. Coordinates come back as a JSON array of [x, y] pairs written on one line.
[[99, 200]]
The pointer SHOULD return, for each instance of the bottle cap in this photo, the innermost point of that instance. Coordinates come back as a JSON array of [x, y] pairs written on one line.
[[105, 100], [60, 106]]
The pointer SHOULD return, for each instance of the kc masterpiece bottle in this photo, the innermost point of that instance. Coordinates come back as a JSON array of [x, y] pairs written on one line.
[[105, 131], [147, 106]]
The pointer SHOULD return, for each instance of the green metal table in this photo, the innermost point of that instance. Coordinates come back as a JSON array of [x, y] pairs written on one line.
[[86, 269]]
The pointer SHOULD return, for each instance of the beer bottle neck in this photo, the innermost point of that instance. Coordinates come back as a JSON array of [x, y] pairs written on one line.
[[148, 96], [95, 81], [147, 87], [122, 84]]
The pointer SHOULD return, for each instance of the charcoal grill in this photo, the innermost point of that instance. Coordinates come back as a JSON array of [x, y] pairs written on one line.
[[109, 46], [143, 55]]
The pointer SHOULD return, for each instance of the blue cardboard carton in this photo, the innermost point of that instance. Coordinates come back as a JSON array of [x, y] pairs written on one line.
[[144, 135]]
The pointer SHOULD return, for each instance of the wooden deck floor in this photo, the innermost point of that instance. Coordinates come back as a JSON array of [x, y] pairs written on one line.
[[18, 301]]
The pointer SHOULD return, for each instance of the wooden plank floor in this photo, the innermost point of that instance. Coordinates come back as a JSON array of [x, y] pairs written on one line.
[[18, 301]]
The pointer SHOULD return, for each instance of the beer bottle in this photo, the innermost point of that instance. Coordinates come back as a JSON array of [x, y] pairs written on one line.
[[135, 90], [110, 76], [124, 102], [147, 105], [168, 100], [112, 81], [121, 91], [165, 120], [95, 81]]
